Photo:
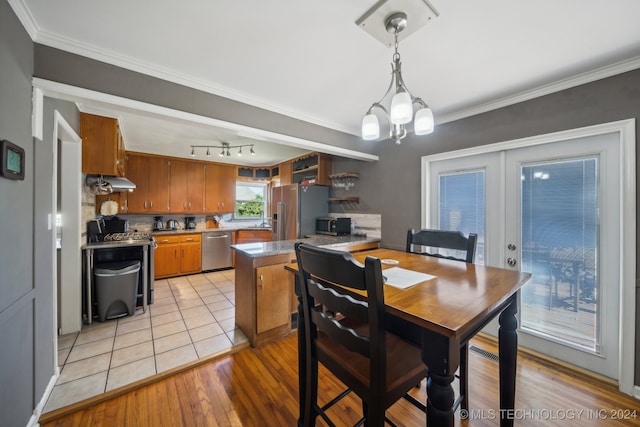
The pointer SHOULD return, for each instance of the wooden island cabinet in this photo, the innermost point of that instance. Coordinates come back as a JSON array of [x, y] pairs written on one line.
[[265, 296]]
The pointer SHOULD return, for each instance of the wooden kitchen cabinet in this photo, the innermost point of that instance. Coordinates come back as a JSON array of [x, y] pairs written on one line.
[[263, 296], [285, 170], [177, 255], [186, 193], [151, 176], [312, 169], [166, 257], [219, 188], [103, 151], [272, 282], [191, 253]]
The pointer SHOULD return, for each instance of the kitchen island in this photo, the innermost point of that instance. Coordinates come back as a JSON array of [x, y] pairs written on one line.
[[265, 298]]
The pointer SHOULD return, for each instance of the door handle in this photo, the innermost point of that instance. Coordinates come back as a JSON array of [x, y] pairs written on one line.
[[511, 261]]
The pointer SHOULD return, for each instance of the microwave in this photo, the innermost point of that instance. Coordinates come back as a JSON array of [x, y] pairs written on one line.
[[333, 226]]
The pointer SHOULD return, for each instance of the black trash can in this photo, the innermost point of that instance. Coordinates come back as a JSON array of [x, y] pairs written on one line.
[[116, 289]]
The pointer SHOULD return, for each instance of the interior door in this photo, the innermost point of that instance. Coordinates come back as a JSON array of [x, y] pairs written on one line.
[[552, 210]]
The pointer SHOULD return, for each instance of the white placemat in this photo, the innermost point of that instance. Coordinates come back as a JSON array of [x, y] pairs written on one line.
[[402, 278]]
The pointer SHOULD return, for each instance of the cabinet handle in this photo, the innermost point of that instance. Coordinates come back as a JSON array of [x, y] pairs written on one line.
[[184, 205], [189, 239], [164, 241], [145, 204], [189, 205], [151, 204]]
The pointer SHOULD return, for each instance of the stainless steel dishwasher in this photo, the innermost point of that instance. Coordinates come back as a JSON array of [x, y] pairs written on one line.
[[216, 250]]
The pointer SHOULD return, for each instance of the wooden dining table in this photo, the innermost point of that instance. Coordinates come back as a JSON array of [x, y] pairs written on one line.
[[449, 309]]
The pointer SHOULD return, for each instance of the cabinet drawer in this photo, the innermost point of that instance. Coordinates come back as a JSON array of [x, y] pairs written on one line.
[[190, 238], [164, 240]]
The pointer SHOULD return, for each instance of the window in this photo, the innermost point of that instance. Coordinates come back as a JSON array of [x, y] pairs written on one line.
[[251, 200]]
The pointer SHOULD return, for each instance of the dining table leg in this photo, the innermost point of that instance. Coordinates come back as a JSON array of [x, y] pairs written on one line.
[[508, 351], [442, 356]]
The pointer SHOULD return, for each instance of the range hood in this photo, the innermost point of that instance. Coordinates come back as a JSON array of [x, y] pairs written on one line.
[[109, 184]]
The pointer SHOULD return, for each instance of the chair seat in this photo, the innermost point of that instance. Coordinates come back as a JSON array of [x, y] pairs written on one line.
[[404, 364]]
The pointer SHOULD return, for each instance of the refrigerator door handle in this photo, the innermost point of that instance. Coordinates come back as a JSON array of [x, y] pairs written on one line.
[[281, 221]]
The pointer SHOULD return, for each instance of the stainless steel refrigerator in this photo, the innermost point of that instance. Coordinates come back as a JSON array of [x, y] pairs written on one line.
[[294, 209]]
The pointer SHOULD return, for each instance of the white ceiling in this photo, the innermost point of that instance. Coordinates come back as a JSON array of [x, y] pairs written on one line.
[[309, 60]]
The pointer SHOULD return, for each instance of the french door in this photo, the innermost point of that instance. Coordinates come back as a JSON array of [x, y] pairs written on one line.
[[552, 208]]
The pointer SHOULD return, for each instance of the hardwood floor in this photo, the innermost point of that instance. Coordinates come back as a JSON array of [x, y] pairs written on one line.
[[259, 387]]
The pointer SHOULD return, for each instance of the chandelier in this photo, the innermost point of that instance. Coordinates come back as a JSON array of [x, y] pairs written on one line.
[[224, 148], [401, 110]]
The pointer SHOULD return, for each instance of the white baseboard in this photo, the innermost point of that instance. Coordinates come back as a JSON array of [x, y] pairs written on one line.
[[33, 421]]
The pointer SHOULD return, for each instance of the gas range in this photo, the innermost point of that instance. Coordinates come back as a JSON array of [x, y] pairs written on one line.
[[117, 237]]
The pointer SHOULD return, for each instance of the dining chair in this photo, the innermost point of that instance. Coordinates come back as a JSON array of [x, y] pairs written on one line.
[[349, 337], [443, 239], [466, 248]]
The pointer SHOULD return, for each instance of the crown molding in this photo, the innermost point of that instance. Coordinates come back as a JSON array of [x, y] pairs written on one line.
[[557, 86], [26, 18]]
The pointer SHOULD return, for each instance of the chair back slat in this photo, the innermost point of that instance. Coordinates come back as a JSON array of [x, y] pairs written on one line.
[[443, 239], [327, 277], [345, 335]]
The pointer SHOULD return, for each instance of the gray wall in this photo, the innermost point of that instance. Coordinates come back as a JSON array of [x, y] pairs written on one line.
[[17, 287], [391, 186]]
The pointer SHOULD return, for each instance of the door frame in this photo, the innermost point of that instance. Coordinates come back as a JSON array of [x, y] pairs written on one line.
[[627, 134]]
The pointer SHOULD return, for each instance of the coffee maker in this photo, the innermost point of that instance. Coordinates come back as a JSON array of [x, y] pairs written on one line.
[[158, 223], [190, 222]]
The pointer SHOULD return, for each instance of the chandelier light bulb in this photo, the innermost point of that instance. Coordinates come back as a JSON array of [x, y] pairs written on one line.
[[240, 152], [193, 152], [221, 153], [253, 153], [423, 123], [208, 152], [370, 127], [401, 108]]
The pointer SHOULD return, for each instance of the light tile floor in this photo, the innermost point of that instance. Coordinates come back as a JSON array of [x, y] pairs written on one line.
[[191, 317]]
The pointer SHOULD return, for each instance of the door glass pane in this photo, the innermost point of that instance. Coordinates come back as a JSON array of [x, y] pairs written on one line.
[[461, 207], [560, 248]]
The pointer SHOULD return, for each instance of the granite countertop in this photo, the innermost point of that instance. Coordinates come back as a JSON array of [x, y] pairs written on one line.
[[260, 249]]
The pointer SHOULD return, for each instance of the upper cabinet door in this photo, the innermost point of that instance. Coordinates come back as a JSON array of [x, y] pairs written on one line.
[[158, 185], [195, 190], [179, 186], [102, 146], [220, 188]]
